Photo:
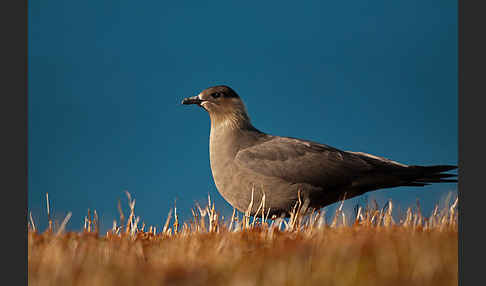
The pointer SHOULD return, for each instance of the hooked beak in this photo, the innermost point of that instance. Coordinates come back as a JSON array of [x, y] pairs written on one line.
[[192, 100]]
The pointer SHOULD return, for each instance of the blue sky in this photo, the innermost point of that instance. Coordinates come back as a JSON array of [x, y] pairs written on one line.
[[106, 78]]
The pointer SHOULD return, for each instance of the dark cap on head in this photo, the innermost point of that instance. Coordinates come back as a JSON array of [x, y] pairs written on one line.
[[222, 90], [212, 93]]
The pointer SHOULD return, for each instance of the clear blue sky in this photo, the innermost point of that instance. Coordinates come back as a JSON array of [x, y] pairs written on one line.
[[106, 78]]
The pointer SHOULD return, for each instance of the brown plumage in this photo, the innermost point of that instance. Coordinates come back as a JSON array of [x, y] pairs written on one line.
[[245, 160]]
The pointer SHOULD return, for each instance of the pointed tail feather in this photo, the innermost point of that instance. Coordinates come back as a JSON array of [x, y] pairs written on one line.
[[430, 174]]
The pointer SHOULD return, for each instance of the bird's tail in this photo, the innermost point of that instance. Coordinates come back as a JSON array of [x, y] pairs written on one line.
[[424, 175]]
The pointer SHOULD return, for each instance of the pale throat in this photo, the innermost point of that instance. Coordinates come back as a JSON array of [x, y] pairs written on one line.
[[227, 121], [225, 129]]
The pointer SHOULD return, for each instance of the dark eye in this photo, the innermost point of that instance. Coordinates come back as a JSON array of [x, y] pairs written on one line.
[[216, 94]]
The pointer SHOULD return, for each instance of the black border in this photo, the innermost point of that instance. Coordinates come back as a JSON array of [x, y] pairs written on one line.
[[471, 140], [13, 23]]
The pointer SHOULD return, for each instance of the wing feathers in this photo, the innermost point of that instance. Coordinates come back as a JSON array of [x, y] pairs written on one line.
[[300, 161]]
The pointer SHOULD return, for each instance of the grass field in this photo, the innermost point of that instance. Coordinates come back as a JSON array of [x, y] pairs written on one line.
[[371, 248]]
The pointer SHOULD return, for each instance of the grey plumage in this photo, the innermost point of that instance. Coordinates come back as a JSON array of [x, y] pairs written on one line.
[[246, 162]]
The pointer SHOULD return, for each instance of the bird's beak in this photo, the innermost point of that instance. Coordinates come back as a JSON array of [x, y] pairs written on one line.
[[192, 100]]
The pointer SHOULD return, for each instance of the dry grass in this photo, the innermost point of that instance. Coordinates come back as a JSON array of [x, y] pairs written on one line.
[[369, 249]]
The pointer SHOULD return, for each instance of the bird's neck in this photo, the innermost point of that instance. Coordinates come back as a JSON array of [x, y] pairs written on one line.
[[229, 121], [230, 133]]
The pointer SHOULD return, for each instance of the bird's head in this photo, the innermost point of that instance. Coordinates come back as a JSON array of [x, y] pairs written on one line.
[[223, 105]]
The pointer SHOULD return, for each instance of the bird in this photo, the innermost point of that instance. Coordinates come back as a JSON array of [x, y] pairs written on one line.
[[252, 169]]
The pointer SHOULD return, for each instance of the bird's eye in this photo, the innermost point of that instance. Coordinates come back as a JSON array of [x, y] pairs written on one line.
[[216, 94]]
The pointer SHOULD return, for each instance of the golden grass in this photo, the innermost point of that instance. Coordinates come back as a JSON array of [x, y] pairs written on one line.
[[369, 249]]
